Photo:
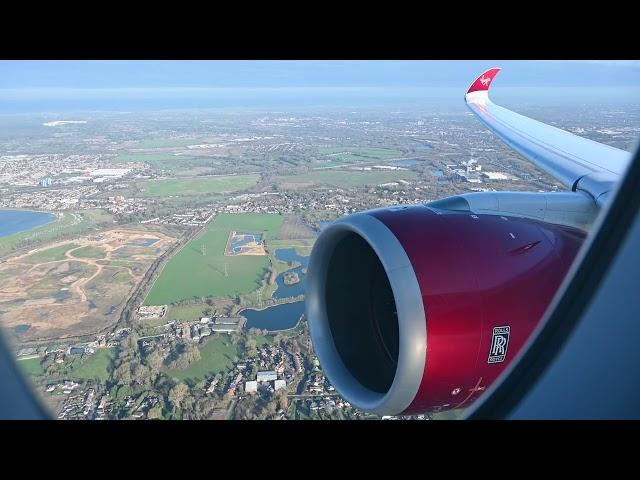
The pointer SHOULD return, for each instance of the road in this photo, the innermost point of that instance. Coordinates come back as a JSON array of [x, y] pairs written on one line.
[[312, 395]]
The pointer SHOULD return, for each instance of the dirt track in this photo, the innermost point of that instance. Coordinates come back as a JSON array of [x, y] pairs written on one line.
[[54, 302]]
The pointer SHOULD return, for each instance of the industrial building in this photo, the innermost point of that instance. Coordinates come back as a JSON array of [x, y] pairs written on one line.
[[46, 182], [251, 386], [266, 376]]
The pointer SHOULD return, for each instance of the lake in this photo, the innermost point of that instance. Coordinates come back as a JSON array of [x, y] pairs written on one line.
[[424, 146], [14, 221], [289, 255], [278, 317], [22, 328]]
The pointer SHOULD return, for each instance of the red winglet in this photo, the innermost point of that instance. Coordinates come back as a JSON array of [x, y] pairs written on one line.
[[483, 82]]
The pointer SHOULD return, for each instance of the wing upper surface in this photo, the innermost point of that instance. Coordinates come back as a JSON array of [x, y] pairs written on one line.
[[565, 156]]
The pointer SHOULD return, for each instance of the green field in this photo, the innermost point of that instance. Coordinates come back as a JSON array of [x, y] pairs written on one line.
[[198, 185], [302, 246], [263, 340], [52, 254], [95, 366], [346, 179], [31, 366], [152, 158], [185, 313], [167, 161], [88, 252], [216, 356], [190, 274], [165, 142], [69, 223], [359, 154]]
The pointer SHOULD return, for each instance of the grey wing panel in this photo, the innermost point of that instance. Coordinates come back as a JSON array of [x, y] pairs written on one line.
[[563, 155]]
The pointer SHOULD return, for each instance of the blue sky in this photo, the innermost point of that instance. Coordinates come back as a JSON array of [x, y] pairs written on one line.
[[154, 74], [51, 85]]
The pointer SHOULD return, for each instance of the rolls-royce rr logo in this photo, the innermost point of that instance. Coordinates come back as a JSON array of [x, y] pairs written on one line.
[[499, 344]]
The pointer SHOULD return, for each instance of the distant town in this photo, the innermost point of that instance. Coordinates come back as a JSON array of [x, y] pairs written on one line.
[[165, 278]]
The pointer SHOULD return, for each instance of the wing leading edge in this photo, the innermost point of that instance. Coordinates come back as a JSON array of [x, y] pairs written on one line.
[[565, 156]]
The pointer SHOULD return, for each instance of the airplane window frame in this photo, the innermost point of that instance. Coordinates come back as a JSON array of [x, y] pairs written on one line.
[[18, 401]]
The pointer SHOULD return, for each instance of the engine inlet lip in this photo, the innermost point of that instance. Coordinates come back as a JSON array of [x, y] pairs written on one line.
[[411, 315]]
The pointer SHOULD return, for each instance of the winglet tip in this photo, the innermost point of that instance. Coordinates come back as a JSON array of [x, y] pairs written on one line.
[[484, 81]]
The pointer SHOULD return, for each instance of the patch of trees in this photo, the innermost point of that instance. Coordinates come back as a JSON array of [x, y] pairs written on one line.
[[183, 355], [257, 407]]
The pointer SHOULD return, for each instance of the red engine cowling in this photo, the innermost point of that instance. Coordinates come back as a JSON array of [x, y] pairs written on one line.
[[418, 309]]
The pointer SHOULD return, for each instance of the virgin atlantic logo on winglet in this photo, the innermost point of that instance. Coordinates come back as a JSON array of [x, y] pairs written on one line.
[[485, 81]]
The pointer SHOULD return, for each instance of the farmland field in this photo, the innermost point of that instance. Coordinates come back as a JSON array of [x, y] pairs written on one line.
[[192, 274], [195, 186], [302, 246], [149, 158], [167, 161], [359, 154], [184, 313], [165, 142], [340, 178]]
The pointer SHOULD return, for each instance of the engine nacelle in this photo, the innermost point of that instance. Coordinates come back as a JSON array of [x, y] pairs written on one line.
[[418, 309]]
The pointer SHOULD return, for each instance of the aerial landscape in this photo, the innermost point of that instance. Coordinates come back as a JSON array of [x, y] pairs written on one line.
[[153, 263]]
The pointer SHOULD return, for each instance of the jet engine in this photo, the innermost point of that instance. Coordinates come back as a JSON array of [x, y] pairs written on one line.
[[415, 309]]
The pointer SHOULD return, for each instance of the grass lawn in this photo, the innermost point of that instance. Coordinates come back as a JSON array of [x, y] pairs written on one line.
[[88, 252], [263, 340], [346, 179], [190, 274], [185, 313], [293, 331], [198, 185], [52, 254], [166, 161], [359, 154], [154, 322], [165, 142], [95, 366], [302, 246], [31, 366], [216, 356]]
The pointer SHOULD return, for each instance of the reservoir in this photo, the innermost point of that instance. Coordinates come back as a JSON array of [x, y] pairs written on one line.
[[278, 317], [286, 315], [14, 221], [289, 255]]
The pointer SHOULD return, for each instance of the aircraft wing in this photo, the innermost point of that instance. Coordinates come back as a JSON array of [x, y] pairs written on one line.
[[567, 157]]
